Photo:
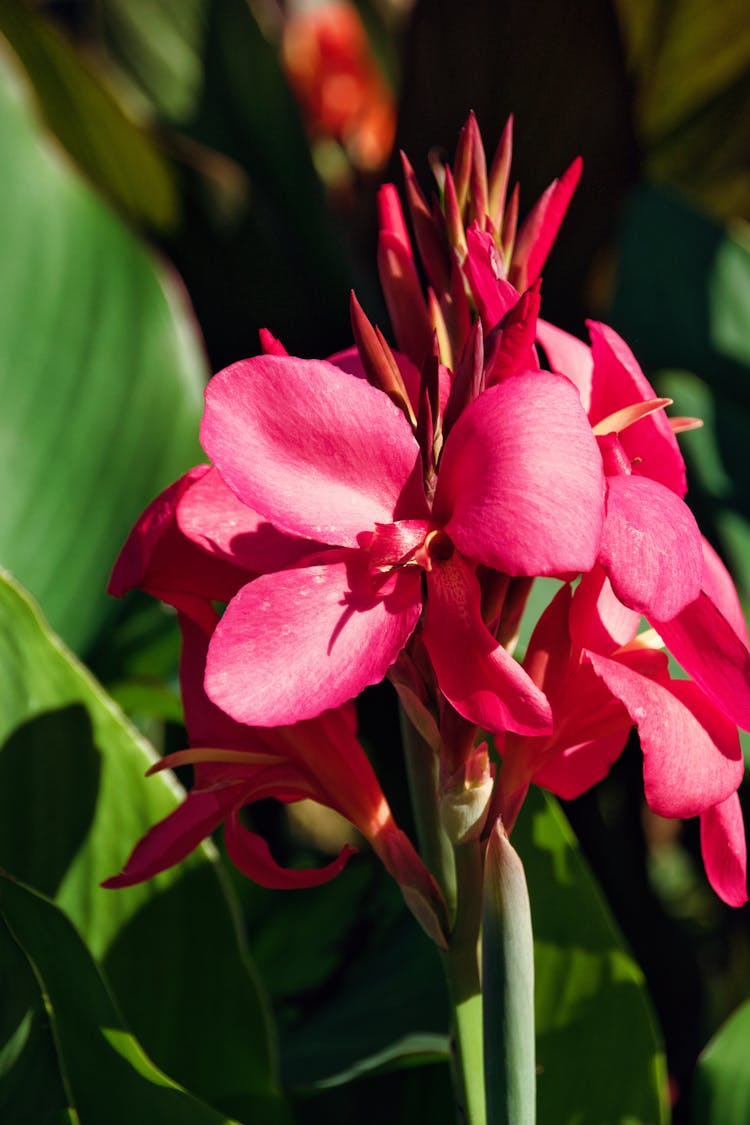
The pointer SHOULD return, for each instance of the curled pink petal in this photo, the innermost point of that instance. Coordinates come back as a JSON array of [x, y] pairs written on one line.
[[703, 641], [724, 850], [691, 752], [651, 547], [521, 484], [318, 453], [484, 684], [251, 854], [619, 382], [174, 837], [161, 559], [598, 619], [302, 641]]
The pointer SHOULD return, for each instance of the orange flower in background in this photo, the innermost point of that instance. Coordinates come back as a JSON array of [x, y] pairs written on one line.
[[338, 82]]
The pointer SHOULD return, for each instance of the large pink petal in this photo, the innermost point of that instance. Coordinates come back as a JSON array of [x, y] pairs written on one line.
[[318, 453], [476, 674], [708, 648], [691, 752], [211, 515], [725, 850], [251, 854], [569, 356], [176, 836], [521, 484], [302, 641], [618, 382], [651, 547]]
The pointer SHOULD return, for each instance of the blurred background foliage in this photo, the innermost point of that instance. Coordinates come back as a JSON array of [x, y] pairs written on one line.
[[176, 175]]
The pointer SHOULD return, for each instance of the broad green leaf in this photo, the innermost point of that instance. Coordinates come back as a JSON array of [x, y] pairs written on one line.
[[100, 376], [599, 1058], [721, 1091], [73, 801], [106, 1074], [110, 148]]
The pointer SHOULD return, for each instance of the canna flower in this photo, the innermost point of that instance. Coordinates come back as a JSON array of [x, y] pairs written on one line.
[[324, 455]]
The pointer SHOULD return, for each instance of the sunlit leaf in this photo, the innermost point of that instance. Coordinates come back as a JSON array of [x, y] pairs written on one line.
[[722, 1080], [100, 376]]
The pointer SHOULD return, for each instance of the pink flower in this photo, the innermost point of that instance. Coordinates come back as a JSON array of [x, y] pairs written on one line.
[[323, 455], [601, 679]]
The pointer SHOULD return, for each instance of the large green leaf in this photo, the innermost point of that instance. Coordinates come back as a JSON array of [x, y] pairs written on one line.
[[722, 1080], [599, 1059], [73, 800], [100, 376], [104, 1070]]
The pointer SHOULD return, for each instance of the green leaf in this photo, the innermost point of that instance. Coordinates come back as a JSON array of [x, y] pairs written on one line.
[[100, 377], [599, 1057], [721, 1090], [110, 148], [73, 801], [106, 1073]]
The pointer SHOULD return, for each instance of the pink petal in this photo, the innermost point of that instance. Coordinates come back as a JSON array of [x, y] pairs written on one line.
[[569, 356], [210, 515], [598, 619], [725, 850], [539, 230], [476, 674], [618, 382], [521, 484], [299, 642], [548, 652], [708, 648], [176, 836], [651, 547], [492, 294], [691, 752], [718, 584], [318, 453], [575, 769], [403, 296], [160, 559], [251, 855]]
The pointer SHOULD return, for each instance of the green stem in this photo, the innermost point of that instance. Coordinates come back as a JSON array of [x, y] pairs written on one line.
[[459, 873], [462, 968]]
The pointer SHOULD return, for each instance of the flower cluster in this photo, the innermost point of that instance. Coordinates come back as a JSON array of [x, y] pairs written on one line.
[[385, 512]]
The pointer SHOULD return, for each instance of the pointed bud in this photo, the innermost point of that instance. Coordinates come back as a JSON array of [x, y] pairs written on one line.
[[453, 222], [499, 176], [510, 225], [377, 359], [403, 296], [462, 163], [269, 344], [478, 201], [468, 381], [540, 227], [431, 246], [465, 800]]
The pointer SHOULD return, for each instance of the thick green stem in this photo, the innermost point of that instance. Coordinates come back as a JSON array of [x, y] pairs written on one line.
[[462, 967]]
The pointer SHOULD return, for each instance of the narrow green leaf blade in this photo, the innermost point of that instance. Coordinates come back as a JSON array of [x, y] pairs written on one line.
[[722, 1079]]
